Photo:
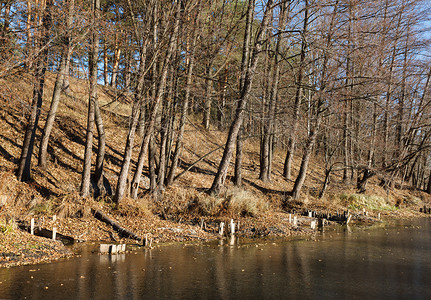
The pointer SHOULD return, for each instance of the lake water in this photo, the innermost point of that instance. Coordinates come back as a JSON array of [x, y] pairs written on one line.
[[391, 262]]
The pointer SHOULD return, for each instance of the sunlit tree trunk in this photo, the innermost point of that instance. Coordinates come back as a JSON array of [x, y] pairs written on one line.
[[248, 67], [65, 54], [298, 94], [152, 115], [24, 163], [93, 58]]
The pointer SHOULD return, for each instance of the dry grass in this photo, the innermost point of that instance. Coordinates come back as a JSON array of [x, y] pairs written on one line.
[[359, 201], [246, 203]]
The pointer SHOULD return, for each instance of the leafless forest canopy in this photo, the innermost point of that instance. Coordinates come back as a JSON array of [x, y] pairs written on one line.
[[346, 81]]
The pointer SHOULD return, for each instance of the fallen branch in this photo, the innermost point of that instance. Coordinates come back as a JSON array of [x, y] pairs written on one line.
[[123, 232]]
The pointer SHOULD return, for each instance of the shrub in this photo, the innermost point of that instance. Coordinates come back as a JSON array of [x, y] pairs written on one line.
[[244, 203], [358, 201]]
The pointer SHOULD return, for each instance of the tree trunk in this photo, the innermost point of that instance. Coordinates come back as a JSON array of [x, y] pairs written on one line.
[[362, 182], [222, 102], [66, 83], [152, 164], [24, 166], [238, 159], [266, 99], [296, 108], [52, 112], [208, 97], [299, 182], [57, 88], [429, 184], [136, 111], [93, 55], [325, 183], [115, 65], [346, 177], [164, 133], [386, 133], [318, 113], [100, 158], [154, 109], [105, 63], [248, 67]]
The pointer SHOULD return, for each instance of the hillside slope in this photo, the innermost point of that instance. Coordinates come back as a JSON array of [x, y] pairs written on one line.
[[184, 206]]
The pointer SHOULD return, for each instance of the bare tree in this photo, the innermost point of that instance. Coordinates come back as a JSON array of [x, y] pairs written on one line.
[[92, 102], [248, 68], [42, 43]]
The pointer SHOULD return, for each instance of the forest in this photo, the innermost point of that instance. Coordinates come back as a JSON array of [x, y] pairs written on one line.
[[344, 84]]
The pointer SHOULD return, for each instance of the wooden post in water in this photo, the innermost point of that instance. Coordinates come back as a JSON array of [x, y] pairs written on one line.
[[295, 221], [113, 249], [221, 229], [232, 227], [54, 233], [313, 224], [310, 213], [104, 248], [32, 226]]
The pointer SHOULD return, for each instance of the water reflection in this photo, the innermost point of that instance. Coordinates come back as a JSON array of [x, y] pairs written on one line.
[[346, 263]]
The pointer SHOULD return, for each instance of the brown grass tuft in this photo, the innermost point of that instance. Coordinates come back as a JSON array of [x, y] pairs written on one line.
[[245, 203], [72, 205]]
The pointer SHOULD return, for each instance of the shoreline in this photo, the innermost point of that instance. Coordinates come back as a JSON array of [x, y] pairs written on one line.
[[20, 248]]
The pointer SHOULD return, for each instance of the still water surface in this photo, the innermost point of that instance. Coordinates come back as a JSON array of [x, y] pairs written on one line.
[[392, 262]]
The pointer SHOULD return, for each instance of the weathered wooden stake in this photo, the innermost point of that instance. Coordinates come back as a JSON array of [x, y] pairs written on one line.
[[221, 228], [378, 216], [112, 248], [32, 226], [313, 225], [290, 218], [232, 227], [104, 248], [54, 232], [54, 218], [146, 240], [295, 221], [310, 214]]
